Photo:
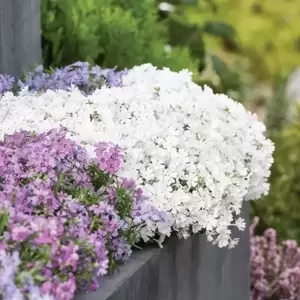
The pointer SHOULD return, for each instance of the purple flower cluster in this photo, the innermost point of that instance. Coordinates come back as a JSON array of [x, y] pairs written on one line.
[[6, 83], [275, 269], [65, 218], [9, 266], [79, 74], [109, 157]]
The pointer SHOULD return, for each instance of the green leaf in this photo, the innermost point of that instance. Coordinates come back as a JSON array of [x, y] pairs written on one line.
[[196, 45], [193, 2], [219, 29], [229, 80], [219, 66], [180, 32], [123, 202], [3, 222]]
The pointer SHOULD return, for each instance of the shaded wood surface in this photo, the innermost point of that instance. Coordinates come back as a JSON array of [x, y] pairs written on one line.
[[189, 269], [20, 40]]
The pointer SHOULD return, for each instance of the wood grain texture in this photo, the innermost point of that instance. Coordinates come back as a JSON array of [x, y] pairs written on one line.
[[189, 269], [6, 36], [20, 36]]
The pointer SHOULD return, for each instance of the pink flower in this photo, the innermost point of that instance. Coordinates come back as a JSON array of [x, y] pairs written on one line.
[[69, 255], [275, 268], [66, 290], [112, 166], [20, 233], [109, 157], [94, 285], [43, 240], [3, 245], [46, 288]]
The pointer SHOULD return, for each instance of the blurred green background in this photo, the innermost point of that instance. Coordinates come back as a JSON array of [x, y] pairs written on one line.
[[245, 48]]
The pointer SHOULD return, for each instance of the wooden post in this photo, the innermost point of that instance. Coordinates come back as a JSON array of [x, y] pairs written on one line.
[[20, 37]]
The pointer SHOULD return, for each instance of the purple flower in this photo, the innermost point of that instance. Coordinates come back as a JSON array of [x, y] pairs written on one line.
[[79, 74], [6, 83], [47, 288], [109, 157], [115, 78], [8, 269], [65, 256], [65, 290], [70, 216], [20, 233], [275, 268]]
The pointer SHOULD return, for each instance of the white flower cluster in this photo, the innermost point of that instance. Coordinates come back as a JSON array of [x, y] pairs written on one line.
[[197, 154]]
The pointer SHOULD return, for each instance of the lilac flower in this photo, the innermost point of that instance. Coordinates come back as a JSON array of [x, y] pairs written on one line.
[[79, 74], [109, 157], [8, 269], [122, 250], [115, 78], [64, 256], [68, 211], [6, 83], [34, 292], [20, 233], [275, 269], [46, 288], [65, 290]]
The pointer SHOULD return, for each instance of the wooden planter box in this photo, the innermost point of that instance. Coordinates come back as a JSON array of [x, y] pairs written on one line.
[[189, 269]]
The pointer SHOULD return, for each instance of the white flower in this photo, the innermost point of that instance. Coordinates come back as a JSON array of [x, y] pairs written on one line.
[[164, 6], [240, 223], [233, 243], [197, 154]]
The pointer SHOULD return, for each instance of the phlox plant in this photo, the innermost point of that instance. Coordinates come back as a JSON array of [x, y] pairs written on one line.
[[65, 218], [80, 74], [275, 268], [198, 155]]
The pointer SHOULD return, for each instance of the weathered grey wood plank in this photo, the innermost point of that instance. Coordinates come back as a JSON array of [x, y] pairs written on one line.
[[189, 269], [6, 36], [20, 37]]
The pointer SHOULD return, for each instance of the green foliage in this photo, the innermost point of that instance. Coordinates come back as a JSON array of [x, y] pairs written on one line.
[[268, 32], [3, 222], [108, 33], [214, 70], [228, 79], [259, 42], [219, 29], [125, 33], [277, 109], [281, 208]]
